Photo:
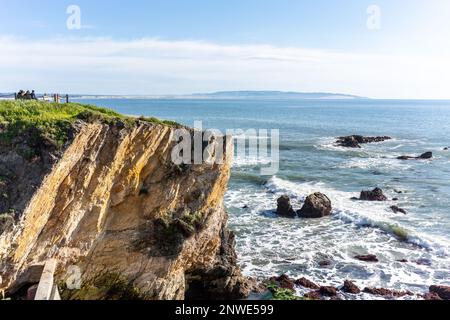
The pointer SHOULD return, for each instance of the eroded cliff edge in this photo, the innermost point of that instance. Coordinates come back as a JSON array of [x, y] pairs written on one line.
[[113, 203]]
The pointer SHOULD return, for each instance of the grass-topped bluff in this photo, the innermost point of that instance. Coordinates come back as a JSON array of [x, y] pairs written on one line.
[[53, 121]]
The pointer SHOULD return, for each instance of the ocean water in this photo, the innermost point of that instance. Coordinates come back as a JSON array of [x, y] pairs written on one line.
[[268, 245]]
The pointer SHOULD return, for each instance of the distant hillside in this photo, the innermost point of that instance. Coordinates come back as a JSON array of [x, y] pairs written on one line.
[[232, 95], [274, 95]]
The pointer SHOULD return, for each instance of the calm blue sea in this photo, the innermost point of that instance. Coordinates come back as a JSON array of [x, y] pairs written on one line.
[[310, 162]]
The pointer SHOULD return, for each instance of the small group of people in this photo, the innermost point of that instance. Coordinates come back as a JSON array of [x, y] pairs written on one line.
[[22, 95]]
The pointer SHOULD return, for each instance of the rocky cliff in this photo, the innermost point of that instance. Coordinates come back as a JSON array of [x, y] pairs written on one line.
[[113, 209]]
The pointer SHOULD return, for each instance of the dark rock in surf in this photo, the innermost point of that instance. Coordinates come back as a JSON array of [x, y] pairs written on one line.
[[406, 158], [350, 287], [284, 282], [367, 258], [424, 156], [387, 293], [355, 141], [442, 291], [396, 209], [348, 142], [324, 263], [316, 205], [424, 262], [313, 295], [374, 195], [307, 284], [446, 148], [431, 297], [403, 261], [284, 208], [328, 291]]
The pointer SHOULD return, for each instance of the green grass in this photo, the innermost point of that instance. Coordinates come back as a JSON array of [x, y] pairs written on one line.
[[281, 293], [54, 120]]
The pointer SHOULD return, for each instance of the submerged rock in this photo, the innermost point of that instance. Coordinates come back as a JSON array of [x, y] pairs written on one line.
[[355, 141], [350, 287], [325, 263], [423, 262], [284, 208], [316, 205], [367, 258], [374, 195], [396, 209], [442, 291], [424, 156]]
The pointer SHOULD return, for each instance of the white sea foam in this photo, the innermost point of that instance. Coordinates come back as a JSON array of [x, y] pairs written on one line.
[[268, 245], [360, 213], [376, 163]]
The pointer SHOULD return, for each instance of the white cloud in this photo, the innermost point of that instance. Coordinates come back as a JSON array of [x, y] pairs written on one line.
[[154, 66]]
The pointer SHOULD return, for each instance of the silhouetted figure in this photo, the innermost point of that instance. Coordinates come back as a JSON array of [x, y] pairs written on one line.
[[21, 95], [28, 95], [33, 95]]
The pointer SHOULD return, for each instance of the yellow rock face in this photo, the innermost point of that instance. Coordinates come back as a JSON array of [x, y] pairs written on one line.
[[100, 206]]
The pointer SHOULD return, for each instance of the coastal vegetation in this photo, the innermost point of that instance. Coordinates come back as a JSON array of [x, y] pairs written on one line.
[[104, 286], [52, 122], [282, 294]]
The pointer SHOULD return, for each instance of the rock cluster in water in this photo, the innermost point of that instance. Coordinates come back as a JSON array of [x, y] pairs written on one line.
[[320, 292], [355, 141], [374, 195], [316, 205]]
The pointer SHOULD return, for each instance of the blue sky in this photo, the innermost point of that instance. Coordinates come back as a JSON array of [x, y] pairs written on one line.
[[181, 46]]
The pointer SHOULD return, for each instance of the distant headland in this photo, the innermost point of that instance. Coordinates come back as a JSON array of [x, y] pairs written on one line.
[[274, 95]]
